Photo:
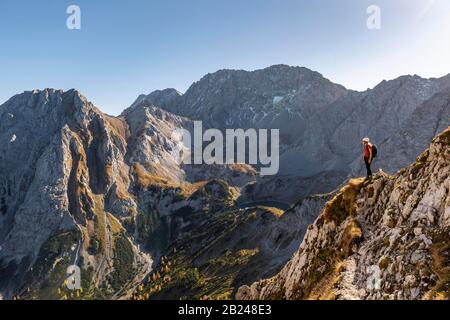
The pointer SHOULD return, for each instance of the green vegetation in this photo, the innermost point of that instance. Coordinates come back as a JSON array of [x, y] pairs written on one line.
[[343, 204], [188, 278], [93, 247], [123, 263], [53, 260], [384, 263], [203, 266], [216, 192], [100, 223], [440, 252], [230, 259], [352, 234], [213, 280], [275, 211], [153, 231], [420, 162]]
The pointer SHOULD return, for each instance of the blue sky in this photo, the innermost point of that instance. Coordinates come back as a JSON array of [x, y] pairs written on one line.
[[126, 48]]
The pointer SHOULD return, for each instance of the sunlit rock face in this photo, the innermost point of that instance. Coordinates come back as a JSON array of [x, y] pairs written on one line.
[[80, 187]]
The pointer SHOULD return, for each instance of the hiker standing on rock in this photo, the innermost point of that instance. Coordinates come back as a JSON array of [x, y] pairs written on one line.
[[368, 155]]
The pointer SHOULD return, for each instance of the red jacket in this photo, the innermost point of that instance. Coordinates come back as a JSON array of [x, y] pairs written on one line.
[[366, 151]]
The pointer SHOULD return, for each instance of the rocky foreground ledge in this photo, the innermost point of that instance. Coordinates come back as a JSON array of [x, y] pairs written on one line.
[[382, 239]]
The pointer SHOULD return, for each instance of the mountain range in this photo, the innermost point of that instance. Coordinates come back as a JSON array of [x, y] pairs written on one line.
[[106, 193]]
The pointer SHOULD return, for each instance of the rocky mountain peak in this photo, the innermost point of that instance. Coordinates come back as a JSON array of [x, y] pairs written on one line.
[[255, 98], [161, 98], [276, 77]]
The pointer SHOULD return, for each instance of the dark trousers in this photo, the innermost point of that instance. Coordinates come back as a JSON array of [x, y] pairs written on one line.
[[369, 171]]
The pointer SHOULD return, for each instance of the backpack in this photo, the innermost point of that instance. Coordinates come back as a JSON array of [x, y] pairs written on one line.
[[374, 151]]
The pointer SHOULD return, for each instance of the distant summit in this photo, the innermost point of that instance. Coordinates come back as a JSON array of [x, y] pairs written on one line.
[[159, 98]]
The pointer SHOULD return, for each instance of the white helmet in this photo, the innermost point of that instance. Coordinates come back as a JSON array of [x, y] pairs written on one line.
[[366, 140]]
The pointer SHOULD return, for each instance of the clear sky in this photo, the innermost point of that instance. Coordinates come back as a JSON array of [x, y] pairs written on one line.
[[126, 48]]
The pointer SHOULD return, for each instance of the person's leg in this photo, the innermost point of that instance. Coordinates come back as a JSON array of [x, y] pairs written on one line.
[[368, 170]]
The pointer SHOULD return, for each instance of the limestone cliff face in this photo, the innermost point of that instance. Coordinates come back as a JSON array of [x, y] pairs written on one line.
[[79, 187], [382, 239], [428, 120], [62, 165]]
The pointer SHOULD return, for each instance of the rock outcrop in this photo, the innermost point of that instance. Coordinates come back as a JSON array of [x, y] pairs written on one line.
[[388, 238]]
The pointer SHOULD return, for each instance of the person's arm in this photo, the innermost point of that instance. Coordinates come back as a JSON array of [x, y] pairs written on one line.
[[370, 154]]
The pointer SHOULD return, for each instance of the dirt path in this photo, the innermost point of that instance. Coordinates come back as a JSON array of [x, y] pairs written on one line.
[[347, 288]]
